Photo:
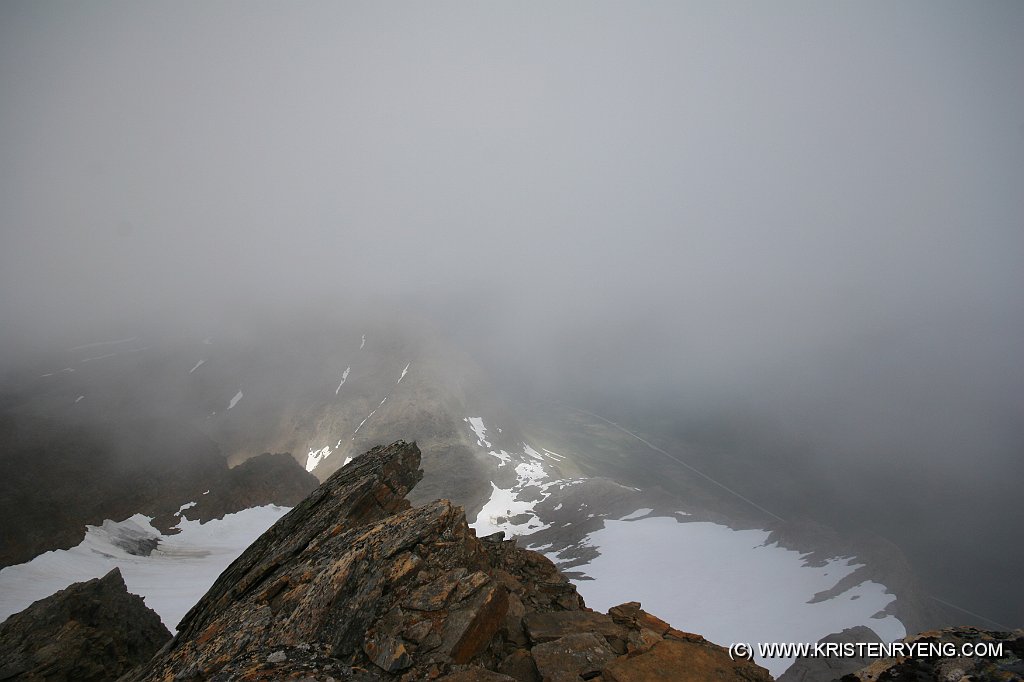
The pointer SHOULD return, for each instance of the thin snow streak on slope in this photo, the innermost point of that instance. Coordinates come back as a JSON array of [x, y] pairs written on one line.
[[171, 579], [363, 342], [344, 376], [99, 357], [367, 418], [105, 343], [198, 365], [234, 401], [50, 374], [531, 452], [728, 585], [110, 355]]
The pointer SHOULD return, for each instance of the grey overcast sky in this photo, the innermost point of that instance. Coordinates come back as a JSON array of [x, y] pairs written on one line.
[[815, 206], [741, 184]]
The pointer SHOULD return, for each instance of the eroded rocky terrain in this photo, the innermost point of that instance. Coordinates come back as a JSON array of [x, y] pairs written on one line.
[[354, 583]]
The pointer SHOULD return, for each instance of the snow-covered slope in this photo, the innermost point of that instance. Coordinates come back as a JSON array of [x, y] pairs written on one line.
[[564, 484], [171, 578], [729, 585]]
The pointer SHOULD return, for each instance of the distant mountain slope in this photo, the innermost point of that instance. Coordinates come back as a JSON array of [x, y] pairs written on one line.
[[570, 483], [60, 474]]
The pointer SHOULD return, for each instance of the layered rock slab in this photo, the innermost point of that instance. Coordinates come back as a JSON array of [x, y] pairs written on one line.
[[353, 584], [90, 631]]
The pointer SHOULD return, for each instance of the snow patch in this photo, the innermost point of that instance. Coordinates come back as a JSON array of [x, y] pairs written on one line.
[[636, 515], [477, 424], [404, 372], [234, 401], [531, 452], [171, 579], [79, 398], [198, 365], [502, 457], [314, 457], [363, 342], [504, 511]]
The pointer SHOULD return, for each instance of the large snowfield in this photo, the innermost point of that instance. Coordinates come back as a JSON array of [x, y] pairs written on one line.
[[727, 585]]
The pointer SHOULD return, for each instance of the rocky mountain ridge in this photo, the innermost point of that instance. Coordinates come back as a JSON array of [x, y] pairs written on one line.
[[326, 392], [354, 583]]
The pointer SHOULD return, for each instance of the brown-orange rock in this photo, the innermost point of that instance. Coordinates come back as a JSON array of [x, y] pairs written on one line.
[[683, 662]]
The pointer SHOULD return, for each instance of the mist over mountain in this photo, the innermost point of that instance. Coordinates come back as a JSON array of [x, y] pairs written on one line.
[[784, 243]]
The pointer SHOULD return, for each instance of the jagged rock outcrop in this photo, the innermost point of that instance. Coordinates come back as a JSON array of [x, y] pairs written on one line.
[[808, 669], [94, 630], [354, 584], [951, 665]]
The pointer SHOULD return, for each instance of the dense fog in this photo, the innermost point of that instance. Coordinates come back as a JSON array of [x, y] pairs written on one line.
[[800, 219]]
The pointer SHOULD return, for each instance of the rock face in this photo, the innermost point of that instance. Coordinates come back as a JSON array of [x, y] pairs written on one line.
[[1004, 667], [264, 479], [355, 584], [806, 669], [94, 630]]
